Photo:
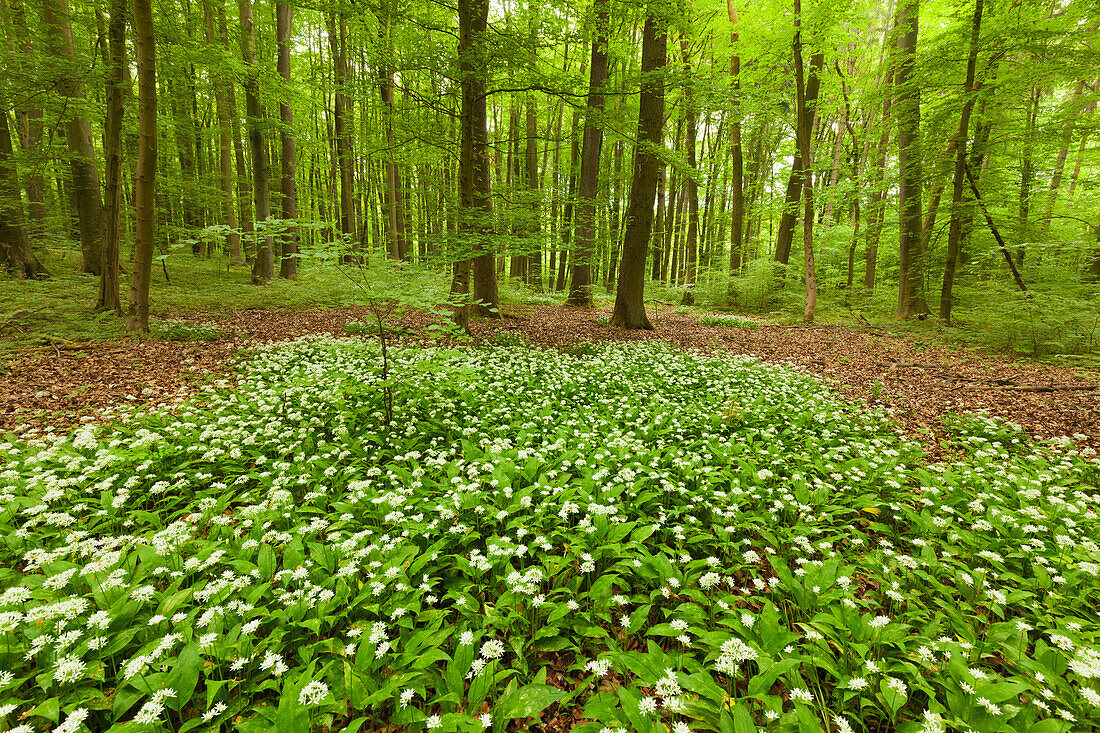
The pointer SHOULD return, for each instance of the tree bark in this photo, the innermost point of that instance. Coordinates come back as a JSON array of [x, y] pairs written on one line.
[[109, 298], [659, 224], [226, 202], [337, 36], [629, 310], [910, 261], [806, 110], [29, 118], [395, 203], [737, 170], [16, 254], [534, 255], [584, 211], [85, 193], [137, 315], [954, 234], [288, 266], [263, 268], [1026, 175], [691, 184], [473, 172], [785, 231]]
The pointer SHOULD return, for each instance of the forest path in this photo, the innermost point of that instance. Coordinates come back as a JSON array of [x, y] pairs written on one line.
[[58, 385]]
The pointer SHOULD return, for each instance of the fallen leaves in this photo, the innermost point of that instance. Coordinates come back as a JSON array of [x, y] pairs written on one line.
[[60, 385]]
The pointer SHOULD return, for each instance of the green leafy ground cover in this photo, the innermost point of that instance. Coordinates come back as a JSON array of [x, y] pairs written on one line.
[[663, 540]]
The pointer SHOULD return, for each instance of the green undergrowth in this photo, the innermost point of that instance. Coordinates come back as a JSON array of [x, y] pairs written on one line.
[[656, 540], [61, 308]]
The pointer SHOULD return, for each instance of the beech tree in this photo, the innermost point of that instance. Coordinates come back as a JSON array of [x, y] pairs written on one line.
[[145, 175], [630, 294], [584, 210]]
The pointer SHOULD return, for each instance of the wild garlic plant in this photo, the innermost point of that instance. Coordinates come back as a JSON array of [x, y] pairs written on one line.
[[651, 539]]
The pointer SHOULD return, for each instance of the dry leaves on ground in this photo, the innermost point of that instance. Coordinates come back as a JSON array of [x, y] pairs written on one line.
[[59, 385]]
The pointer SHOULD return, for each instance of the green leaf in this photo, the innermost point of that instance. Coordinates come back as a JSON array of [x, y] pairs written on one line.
[[526, 701], [184, 676], [49, 709]]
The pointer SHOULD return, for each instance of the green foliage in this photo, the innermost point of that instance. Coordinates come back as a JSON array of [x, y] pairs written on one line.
[[509, 339], [1041, 323], [360, 328], [739, 547]]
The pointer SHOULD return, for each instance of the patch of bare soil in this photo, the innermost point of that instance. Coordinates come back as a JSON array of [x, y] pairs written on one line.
[[59, 385]]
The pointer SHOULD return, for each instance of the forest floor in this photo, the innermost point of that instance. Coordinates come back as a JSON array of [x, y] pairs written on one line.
[[56, 386]]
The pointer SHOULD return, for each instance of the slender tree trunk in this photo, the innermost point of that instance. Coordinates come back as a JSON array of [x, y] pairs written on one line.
[[85, 192], [395, 204], [568, 222], [1063, 152], [288, 267], [263, 269], [737, 171], [911, 265], [954, 234], [1026, 175], [1080, 152], [630, 294], [789, 218], [137, 315], [691, 184], [838, 148], [659, 224], [803, 132], [16, 254], [225, 147], [29, 117], [342, 111], [109, 298], [613, 213], [534, 256], [580, 289]]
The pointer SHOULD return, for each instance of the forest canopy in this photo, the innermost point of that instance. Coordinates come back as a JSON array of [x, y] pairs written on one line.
[[941, 151]]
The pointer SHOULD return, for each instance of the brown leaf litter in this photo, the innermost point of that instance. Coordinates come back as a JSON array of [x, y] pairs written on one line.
[[60, 385]]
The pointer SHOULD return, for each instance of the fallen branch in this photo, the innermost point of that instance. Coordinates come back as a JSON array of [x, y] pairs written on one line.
[[996, 234]]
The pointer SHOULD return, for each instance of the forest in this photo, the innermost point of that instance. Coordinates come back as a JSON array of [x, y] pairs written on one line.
[[623, 365], [939, 151]]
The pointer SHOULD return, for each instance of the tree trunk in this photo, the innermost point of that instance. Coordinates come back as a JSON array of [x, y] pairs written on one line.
[[15, 247], [534, 255], [785, 232], [109, 298], [954, 234], [1026, 175], [474, 182], [1063, 152], [659, 224], [803, 132], [737, 172], [29, 119], [137, 315], [691, 184], [613, 212], [85, 193], [288, 266], [580, 288], [337, 36], [630, 294], [263, 268], [225, 147], [910, 261], [396, 245]]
